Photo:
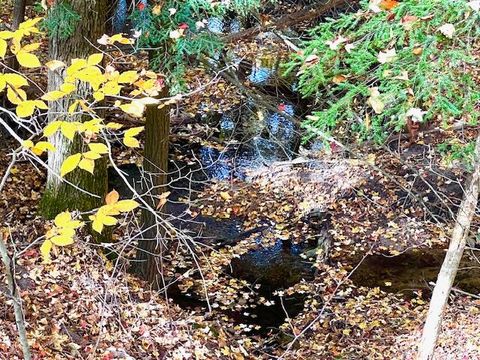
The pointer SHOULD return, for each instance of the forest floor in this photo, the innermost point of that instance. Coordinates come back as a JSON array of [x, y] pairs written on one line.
[[84, 305]]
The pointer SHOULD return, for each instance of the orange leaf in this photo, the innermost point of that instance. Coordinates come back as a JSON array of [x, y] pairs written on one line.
[[112, 197], [388, 4]]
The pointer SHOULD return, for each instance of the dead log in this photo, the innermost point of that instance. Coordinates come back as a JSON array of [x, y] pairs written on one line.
[[309, 13], [450, 264]]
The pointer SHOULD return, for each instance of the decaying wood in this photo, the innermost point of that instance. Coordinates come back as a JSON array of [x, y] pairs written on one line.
[[309, 13], [450, 264]]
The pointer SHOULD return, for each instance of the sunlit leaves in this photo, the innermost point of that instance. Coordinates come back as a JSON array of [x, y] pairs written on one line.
[[60, 235], [70, 164], [27, 108], [39, 148], [65, 89], [128, 77], [14, 80], [16, 96], [105, 214], [84, 161], [27, 28], [87, 164], [98, 148], [129, 137], [24, 54], [135, 108]]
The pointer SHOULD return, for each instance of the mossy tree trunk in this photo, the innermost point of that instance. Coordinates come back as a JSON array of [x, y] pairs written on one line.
[[59, 195], [155, 164]]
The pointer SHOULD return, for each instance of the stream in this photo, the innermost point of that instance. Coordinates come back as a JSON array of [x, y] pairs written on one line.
[[252, 137]]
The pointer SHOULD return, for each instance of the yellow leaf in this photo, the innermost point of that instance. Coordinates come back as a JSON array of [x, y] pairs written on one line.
[[77, 64], [30, 24], [134, 131], [28, 144], [27, 59], [15, 80], [114, 126], [112, 197], [62, 219], [119, 38], [93, 126], [90, 74], [95, 59], [16, 96], [108, 220], [45, 251], [51, 128], [68, 129], [43, 146], [70, 163], [31, 47], [73, 107], [98, 148], [111, 88], [98, 96], [53, 95], [131, 142], [5, 34], [3, 48], [25, 108], [61, 240], [109, 209], [91, 155], [97, 225], [87, 165], [67, 88], [3, 83], [128, 77], [135, 108], [41, 105], [126, 205]]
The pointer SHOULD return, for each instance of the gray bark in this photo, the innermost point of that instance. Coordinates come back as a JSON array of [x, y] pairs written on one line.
[[450, 264]]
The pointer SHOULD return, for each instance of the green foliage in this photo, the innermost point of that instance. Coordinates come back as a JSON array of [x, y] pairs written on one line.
[[61, 21], [429, 72], [172, 55], [454, 150]]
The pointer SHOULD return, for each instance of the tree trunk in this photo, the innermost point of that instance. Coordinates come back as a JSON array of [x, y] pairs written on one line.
[[18, 18], [59, 195], [155, 165], [450, 264]]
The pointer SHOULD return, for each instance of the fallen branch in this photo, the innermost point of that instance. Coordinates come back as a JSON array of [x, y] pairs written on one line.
[[306, 14], [17, 301], [450, 264]]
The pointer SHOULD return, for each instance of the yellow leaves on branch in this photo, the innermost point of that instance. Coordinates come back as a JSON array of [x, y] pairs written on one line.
[[105, 214], [26, 108], [60, 235], [85, 161], [25, 29], [129, 136], [24, 54], [39, 148], [70, 164]]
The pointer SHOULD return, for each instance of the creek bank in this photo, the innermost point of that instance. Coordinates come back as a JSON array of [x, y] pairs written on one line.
[[412, 272]]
